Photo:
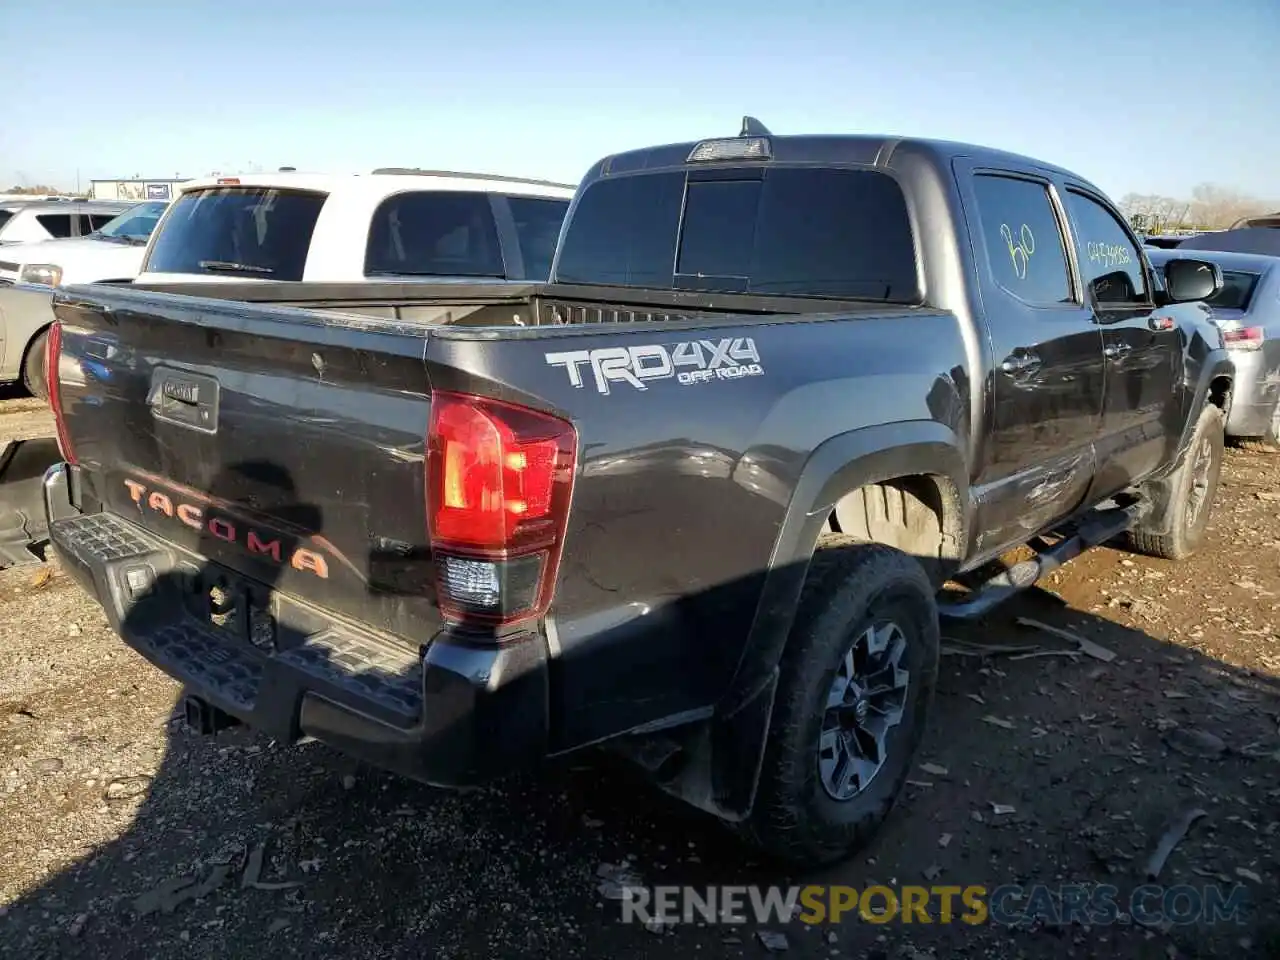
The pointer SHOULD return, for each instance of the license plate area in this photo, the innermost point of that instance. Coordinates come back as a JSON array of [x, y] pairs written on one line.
[[239, 608]]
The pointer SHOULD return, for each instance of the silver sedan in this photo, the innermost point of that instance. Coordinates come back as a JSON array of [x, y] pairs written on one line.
[[1247, 310]]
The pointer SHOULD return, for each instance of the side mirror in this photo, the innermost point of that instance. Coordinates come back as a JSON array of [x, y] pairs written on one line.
[[1186, 279]]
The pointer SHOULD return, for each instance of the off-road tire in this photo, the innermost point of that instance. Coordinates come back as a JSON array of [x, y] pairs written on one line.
[[1184, 535], [851, 584], [33, 366]]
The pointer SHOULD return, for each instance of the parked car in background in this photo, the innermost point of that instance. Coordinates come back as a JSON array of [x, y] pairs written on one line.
[[1264, 240], [1163, 242], [1247, 309], [54, 219], [111, 252], [385, 226]]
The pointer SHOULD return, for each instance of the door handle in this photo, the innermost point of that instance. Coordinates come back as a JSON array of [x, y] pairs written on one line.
[[1114, 351], [1020, 363]]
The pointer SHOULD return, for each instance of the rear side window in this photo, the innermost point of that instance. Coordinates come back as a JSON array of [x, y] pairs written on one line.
[[1023, 239], [4, 217], [238, 231], [57, 224], [537, 231], [783, 231], [1237, 290], [623, 232], [434, 234], [1109, 260]]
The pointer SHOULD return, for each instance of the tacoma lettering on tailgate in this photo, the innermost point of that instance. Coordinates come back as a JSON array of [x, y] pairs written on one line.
[[252, 541], [693, 361]]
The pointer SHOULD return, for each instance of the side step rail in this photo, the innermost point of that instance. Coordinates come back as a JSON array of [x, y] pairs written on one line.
[[1094, 529]]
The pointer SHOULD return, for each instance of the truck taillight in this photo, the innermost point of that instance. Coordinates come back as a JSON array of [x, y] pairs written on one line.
[[499, 480], [1243, 338], [53, 386]]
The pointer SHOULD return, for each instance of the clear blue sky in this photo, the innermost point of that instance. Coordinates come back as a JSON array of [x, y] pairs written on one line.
[[1137, 95]]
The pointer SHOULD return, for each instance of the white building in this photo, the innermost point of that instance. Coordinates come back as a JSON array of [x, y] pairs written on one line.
[[160, 188]]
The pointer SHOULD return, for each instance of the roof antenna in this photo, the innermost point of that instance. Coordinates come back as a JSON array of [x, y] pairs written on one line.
[[751, 127]]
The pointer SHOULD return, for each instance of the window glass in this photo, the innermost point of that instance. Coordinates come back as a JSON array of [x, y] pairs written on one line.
[[834, 233], [135, 225], [623, 232], [1023, 238], [57, 224], [238, 231], [1111, 264], [537, 230], [1237, 290], [719, 229], [801, 232], [434, 234]]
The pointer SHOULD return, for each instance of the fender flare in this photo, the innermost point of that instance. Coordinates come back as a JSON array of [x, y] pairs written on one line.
[[1217, 363], [1159, 489], [837, 467]]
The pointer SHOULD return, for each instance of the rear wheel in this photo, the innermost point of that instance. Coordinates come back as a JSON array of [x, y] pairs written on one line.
[[33, 377], [1193, 487], [856, 681]]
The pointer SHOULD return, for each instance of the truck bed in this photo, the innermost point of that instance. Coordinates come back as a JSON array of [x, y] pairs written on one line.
[[692, 433]]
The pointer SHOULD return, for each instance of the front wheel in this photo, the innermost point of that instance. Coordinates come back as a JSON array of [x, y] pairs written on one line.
[[1179, 530], [856, 681], [33, 375]]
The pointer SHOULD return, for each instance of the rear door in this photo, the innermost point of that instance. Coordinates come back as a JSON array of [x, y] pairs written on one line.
[[1046, 383], [1142, 409]]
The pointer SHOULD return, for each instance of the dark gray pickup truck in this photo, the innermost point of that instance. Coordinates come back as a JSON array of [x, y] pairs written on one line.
[[698, 497]]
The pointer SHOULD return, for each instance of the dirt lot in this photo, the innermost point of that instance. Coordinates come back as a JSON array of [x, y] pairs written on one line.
[[107, 805]]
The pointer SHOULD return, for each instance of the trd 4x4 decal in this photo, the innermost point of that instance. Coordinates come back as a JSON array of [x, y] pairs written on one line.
[[692, 361]]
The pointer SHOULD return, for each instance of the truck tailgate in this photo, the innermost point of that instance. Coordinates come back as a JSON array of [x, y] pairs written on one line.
[[285, 446]]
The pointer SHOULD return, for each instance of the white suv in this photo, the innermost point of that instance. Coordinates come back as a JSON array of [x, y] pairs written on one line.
[[113, 251], [392, 224], [53, 219]]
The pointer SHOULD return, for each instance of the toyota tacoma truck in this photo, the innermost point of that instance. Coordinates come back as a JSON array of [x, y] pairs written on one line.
[[703, 497]]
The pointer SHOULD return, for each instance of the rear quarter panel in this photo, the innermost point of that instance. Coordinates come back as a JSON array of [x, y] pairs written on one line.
[[683, 487]]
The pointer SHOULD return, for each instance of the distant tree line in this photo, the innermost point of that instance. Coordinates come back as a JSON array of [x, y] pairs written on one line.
[[1211, 207], [39, 189]]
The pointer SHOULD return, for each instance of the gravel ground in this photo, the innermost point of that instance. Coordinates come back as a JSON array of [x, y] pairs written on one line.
[[107, 805]]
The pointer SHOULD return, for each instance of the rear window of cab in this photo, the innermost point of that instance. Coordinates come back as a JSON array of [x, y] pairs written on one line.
[[786, 231], [248, 232]]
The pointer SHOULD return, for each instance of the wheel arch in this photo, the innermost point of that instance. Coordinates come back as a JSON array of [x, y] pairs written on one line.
[[27, 347], [923, 457]]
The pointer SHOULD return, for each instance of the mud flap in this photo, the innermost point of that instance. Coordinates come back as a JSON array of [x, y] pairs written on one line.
[[24, 530]]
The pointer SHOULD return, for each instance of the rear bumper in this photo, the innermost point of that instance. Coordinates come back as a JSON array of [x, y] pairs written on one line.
[[450, 714], [1254, 395]]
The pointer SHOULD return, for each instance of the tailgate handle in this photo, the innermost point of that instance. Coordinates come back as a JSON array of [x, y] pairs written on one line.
[[185, 399]]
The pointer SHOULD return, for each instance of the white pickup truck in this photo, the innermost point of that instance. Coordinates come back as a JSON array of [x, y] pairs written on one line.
[[393, 225]]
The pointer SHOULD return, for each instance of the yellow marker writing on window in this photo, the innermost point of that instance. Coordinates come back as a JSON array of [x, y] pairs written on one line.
[[1020, 251]]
